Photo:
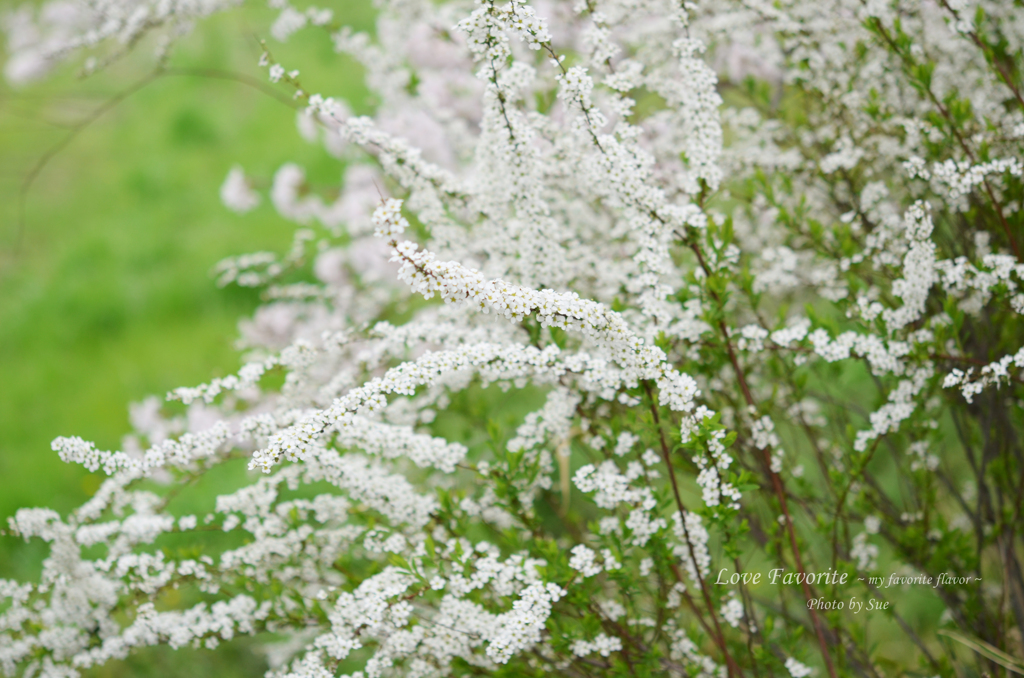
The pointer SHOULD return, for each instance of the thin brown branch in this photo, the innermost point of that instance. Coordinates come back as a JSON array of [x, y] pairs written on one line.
[[111, 103], [666, 455]]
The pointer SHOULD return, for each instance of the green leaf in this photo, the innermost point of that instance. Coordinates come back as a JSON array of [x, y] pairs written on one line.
[[990, 652]]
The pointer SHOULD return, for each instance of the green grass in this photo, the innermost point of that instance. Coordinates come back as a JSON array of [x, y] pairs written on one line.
[[106, 294]]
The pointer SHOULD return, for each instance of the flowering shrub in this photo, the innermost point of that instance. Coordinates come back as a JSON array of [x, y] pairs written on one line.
[[730, 334]]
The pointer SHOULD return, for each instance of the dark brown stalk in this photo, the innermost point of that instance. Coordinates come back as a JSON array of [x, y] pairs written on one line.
[[719, 636], [780, 491]]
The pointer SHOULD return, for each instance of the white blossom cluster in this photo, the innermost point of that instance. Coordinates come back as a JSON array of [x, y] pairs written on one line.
[[601, 644], [797, 669], [610, 295]]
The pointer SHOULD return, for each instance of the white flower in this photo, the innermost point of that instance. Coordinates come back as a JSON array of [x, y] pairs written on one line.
[[796, 669], [235, 192], [583, 561], [732, 612], [602, 644], [388, 220]]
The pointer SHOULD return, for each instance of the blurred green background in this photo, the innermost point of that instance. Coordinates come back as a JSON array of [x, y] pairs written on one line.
[[105, 293]]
